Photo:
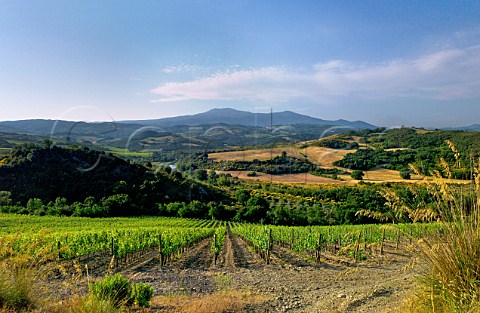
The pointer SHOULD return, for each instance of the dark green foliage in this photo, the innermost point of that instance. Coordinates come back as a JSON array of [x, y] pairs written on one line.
[[328, 172], [117, 205], [242, 195], [358, 175], [426, 150], [115, 289], [201, 175], [37, 177], [405, 174], [220, 211], [336, 144], [330, 206], [75, 174], [5, 198], [257, 208], [194, 209], [280, 164], [142, 294], [365, 159]]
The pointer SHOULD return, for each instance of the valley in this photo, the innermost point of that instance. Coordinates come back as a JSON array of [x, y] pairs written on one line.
[[220, 218]]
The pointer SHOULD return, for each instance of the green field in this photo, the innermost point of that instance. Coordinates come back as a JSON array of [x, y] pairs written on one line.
[[120, 236], [5, 151], [127, 153]]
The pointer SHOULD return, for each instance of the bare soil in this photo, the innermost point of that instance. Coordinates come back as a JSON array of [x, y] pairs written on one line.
[[241, 281]]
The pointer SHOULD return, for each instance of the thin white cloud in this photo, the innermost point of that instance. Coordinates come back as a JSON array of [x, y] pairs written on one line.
[[183, 68], [444, 75], [270, 84]]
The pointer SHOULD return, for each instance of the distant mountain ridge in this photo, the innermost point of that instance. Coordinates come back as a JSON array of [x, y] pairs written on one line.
[[44, 127], [227, 116], [245, 118], [473, 127]]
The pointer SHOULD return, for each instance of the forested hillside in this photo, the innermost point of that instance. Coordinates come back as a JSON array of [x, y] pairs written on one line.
[[49, 173], [425, 149]]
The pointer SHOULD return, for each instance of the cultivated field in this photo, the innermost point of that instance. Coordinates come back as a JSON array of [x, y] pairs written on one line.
[[320, 156], [257, 268], [303, 178]]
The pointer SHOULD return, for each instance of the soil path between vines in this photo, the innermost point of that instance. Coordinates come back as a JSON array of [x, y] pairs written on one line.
[[290, 283]]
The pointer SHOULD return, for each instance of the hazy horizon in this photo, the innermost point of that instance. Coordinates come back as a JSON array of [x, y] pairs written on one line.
[[386, 63]]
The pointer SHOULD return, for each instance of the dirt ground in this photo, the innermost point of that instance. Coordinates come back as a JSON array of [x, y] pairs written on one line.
[[241, 281]]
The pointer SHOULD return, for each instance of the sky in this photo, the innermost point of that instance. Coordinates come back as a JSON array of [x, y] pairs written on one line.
[[389, 63]]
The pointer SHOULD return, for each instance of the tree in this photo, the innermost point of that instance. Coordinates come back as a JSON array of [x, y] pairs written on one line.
[[405, 174], [242, 195], [357, 174], [120, 187], [212, 176], [5, 198], [257, 208], [193, 209], [35, 205], [201, 175], [118, 205], [47, 143]]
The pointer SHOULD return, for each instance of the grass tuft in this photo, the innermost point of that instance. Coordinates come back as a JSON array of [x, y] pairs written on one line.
[[451, 253], [19, 263]]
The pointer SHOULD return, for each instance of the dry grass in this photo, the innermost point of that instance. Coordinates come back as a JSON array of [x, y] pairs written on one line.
[[20, 262], [451, 253], [303, 178], [318, 155], [82, 304], [223, 301], [325, 156], [250, 155], [385, 175]]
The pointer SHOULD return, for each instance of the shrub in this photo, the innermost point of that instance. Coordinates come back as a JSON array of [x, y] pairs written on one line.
[[451, 253], [114, 288], [84, 304], [141, 294], [119, 291], [405, 174], [18, 269], [357, 174], [15, 289]]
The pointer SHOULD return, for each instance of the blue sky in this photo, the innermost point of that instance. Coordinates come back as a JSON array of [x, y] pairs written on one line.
[[390, 63]]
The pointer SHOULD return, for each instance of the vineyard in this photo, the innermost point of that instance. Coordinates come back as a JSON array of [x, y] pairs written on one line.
[[164, 248], [126, 237], [355, 241], [121, 238]]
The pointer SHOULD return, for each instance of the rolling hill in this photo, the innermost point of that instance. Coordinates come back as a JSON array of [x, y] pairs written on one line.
[[236, 117]]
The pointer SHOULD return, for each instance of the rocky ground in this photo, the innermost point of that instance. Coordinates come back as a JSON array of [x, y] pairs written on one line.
[[242, 282]]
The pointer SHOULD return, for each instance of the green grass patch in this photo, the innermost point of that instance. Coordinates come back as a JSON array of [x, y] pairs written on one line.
[[126, 152]]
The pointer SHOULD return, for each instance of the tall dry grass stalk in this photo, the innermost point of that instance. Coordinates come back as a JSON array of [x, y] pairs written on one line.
[[451, 253], [20, 261], [82, 304]]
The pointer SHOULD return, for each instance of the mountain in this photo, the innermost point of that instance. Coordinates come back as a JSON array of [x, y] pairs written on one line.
[[473, 127], [217, 129], [236, 117], [59, 128]]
